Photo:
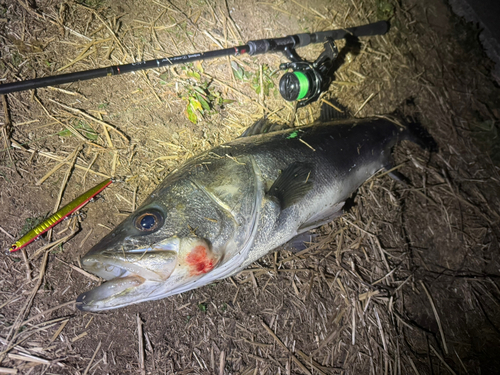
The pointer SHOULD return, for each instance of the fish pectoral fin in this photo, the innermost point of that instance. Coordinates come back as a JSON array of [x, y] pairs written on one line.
[[322, 217], [292, 184], [300, 242], [399, 177], [396, 175]]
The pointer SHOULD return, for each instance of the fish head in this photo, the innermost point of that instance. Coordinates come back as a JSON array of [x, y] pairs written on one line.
[[195, 228], [150, 255]]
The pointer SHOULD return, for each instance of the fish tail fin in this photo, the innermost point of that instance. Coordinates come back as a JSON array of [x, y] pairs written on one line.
[[414, 130], [417, 133]]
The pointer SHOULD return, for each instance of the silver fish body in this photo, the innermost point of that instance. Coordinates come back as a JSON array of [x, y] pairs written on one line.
[[229, 206]]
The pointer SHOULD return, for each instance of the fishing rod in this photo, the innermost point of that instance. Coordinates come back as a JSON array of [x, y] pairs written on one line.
[[306, 82]]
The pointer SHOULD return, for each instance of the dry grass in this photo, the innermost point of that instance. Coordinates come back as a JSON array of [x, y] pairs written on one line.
[[405, 282]]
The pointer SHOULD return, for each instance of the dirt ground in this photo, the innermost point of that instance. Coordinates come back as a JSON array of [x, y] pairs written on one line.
[[407, 281]]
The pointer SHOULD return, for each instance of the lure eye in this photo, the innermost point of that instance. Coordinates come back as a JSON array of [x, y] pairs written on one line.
[[149, 221]]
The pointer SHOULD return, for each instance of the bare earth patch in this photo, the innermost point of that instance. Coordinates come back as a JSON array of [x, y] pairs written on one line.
[[407, 281]]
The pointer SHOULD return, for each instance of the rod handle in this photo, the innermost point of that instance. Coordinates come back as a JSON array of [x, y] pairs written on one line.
[[258, 47], [376, 28]]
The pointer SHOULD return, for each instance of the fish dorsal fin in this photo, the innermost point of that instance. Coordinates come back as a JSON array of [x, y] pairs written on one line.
[[332, 110], [292, 184], [263, 126]]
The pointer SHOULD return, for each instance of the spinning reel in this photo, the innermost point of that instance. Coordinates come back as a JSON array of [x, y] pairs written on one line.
[[306, 81]]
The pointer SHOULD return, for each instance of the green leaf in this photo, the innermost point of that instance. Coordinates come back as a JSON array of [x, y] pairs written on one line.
[[164, 76], [191, 115], [87, 131], [198, 66], [203, 102], [192, 74], [199, 90], [266, 89], [239, 73], [195, 103], [64, 133], [385, 9]]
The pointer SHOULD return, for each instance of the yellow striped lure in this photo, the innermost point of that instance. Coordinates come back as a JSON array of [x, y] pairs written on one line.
[[59, 215]]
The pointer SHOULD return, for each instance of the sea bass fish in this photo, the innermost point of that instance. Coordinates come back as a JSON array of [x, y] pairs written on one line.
[[231, 205]]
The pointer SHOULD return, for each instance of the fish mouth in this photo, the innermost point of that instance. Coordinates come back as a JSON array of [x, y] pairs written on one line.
[[97, 299], [131, 275], [139, 275]]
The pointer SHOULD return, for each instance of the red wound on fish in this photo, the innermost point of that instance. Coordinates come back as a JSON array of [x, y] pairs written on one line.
[[199, 261]]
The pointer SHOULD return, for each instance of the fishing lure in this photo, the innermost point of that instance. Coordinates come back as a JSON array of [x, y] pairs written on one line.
[[59, 215]]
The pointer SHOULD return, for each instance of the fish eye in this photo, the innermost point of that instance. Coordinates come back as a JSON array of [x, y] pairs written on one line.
[[149, 221]]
